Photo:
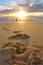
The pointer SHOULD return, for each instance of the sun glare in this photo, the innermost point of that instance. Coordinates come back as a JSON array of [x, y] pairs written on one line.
[[21, 14]]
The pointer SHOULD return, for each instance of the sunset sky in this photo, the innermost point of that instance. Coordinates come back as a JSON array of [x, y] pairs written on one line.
[[14, 4], [26, 7]]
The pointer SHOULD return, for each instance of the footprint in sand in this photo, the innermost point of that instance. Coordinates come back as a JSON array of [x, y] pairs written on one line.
[[6, 29]]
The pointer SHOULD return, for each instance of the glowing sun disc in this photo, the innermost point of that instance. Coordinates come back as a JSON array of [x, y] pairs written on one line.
[[21, 14]]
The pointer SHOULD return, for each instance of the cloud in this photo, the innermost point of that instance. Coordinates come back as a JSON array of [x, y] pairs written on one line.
[[20, 1], [13, 5], [18, 4], [33, 4], [36, 6], [5, 7]]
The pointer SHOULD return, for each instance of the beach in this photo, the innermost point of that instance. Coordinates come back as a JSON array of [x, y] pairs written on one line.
[[33, 29], [30, 35]]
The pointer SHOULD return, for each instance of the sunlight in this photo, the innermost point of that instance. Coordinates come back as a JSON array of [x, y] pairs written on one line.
[[21, 22], [20, 14]]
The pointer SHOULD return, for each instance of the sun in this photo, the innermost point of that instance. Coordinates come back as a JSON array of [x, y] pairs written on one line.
[[21, 14]]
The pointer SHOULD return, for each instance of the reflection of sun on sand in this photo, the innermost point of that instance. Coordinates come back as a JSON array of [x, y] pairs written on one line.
[[21, 22]]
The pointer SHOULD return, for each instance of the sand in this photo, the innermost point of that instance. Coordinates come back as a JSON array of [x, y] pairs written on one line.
[[8, 55], [34, 30]]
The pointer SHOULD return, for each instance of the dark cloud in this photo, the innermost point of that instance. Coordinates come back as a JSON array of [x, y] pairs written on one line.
[[35, 7]]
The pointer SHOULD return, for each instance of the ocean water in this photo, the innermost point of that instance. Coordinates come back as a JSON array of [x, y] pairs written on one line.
[[10, 19]]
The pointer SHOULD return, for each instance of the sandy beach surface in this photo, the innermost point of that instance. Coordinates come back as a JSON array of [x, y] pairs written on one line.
[[33, 29]]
